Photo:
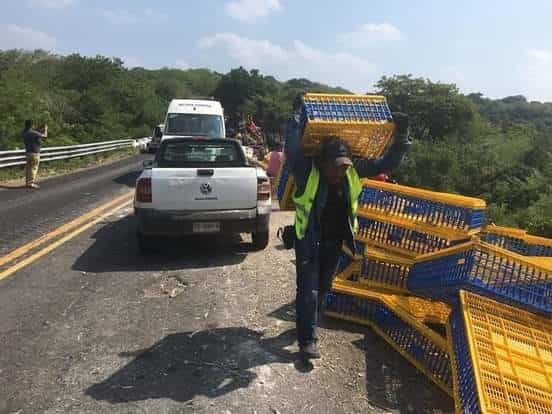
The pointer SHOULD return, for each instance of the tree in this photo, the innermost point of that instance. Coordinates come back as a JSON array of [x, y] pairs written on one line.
[[436, 109]]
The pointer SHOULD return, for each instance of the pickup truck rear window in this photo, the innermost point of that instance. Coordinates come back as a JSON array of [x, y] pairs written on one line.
[[199, 154]]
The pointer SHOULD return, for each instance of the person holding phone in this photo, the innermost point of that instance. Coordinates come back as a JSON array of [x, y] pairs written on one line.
[[32, 140]]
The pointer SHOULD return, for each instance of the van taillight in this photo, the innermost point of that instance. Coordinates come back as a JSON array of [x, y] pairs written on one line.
[[143, 190], [263, 189]]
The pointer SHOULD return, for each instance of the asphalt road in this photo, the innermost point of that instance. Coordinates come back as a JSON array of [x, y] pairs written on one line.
[[205, 325], [25, 214]]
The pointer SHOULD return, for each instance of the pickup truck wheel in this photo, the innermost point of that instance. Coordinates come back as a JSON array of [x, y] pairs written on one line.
[[260, 239], [145, 244]]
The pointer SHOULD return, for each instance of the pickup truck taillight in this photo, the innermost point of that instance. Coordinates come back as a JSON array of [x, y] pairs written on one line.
[[263, 189], [143, 190]]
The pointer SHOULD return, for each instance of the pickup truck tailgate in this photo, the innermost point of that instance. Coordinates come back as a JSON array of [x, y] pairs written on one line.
[[188, 189]]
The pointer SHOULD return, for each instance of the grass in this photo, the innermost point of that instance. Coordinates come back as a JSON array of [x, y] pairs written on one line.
[[51, 168]]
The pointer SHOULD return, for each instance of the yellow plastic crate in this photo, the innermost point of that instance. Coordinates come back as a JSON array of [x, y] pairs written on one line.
[[424, 310], [404, 238], [542, 261], [443, 232], [486, 269], [517, 240], [361, 120], [421, 346], [502, 358], [378, 271], [441, 212], [286, 203], [285, 187]]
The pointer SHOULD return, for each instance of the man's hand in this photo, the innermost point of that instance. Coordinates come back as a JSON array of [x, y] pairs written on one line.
[[401, 120]]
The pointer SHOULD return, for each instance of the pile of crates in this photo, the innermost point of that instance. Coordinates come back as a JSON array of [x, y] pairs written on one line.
[[468, 306]]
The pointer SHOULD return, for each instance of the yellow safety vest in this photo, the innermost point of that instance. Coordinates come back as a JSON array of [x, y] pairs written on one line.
[[304, 202]]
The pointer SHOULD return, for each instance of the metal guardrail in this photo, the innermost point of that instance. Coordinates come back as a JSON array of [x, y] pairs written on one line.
[[17, 157]]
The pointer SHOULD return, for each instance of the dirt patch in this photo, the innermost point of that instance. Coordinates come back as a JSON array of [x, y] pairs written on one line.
[[167, 285]]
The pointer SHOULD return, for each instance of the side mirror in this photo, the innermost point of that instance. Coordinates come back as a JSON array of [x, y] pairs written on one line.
[[148, 164], [158, 134]]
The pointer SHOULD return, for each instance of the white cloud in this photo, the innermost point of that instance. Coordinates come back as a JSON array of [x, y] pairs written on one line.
[[182, 64], [536, 75], [251, 10], [370, 34], [540, 55], [295, 60], [122, 17], [247, 52], [53, 4], [13, 36]]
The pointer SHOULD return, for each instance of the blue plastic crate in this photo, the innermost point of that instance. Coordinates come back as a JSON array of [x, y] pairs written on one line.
[[282, 182], [363, 121], [433, 358], [417, 206], [406, 241], [343, 262], [465, 376], [344, 108], [414, 343], [385, 272], [516, 244], [484, 269], [500, 357], [351, 306]]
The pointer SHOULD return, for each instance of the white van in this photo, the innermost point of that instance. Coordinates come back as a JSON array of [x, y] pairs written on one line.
[[194, 118]]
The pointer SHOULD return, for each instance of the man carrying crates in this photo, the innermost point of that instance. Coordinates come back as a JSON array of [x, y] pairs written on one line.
[[327, 186]]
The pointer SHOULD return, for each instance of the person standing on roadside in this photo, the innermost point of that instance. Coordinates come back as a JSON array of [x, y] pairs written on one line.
[[274, 161], [32, 140]]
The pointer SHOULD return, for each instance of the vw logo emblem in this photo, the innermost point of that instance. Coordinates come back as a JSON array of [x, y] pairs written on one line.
[[206, 188]]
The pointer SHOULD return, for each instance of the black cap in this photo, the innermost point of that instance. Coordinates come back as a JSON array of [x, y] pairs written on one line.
[[336, 151]]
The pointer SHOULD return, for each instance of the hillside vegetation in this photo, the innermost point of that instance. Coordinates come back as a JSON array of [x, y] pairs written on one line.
[[500, 150]]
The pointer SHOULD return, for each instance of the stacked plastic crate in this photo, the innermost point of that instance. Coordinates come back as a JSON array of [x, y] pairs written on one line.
[[497, 283], [470, 308], [499, 330], [364, 121], [398, 226]]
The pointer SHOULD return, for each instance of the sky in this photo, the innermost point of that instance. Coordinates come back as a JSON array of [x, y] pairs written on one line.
[[497, 48]]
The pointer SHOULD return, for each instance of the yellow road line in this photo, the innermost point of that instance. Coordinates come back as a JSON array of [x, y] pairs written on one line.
[[26, 248], [23, 263]]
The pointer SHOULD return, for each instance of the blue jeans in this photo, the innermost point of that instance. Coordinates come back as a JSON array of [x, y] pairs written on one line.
[[316, 263]]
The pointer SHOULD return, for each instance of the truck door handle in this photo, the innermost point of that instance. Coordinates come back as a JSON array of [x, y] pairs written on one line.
[[205, 173]]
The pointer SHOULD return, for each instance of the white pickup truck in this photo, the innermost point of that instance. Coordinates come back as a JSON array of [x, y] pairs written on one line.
[[201, 186]]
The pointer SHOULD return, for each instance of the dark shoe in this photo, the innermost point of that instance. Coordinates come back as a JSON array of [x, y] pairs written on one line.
[[310, 351]]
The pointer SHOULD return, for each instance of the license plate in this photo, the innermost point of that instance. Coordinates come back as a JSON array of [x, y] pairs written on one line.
[[213, 227]]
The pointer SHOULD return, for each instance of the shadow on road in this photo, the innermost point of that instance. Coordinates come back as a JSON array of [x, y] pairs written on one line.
[[284, 313], [181, 366], [392, 383], [128, 179], [115, 249]]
